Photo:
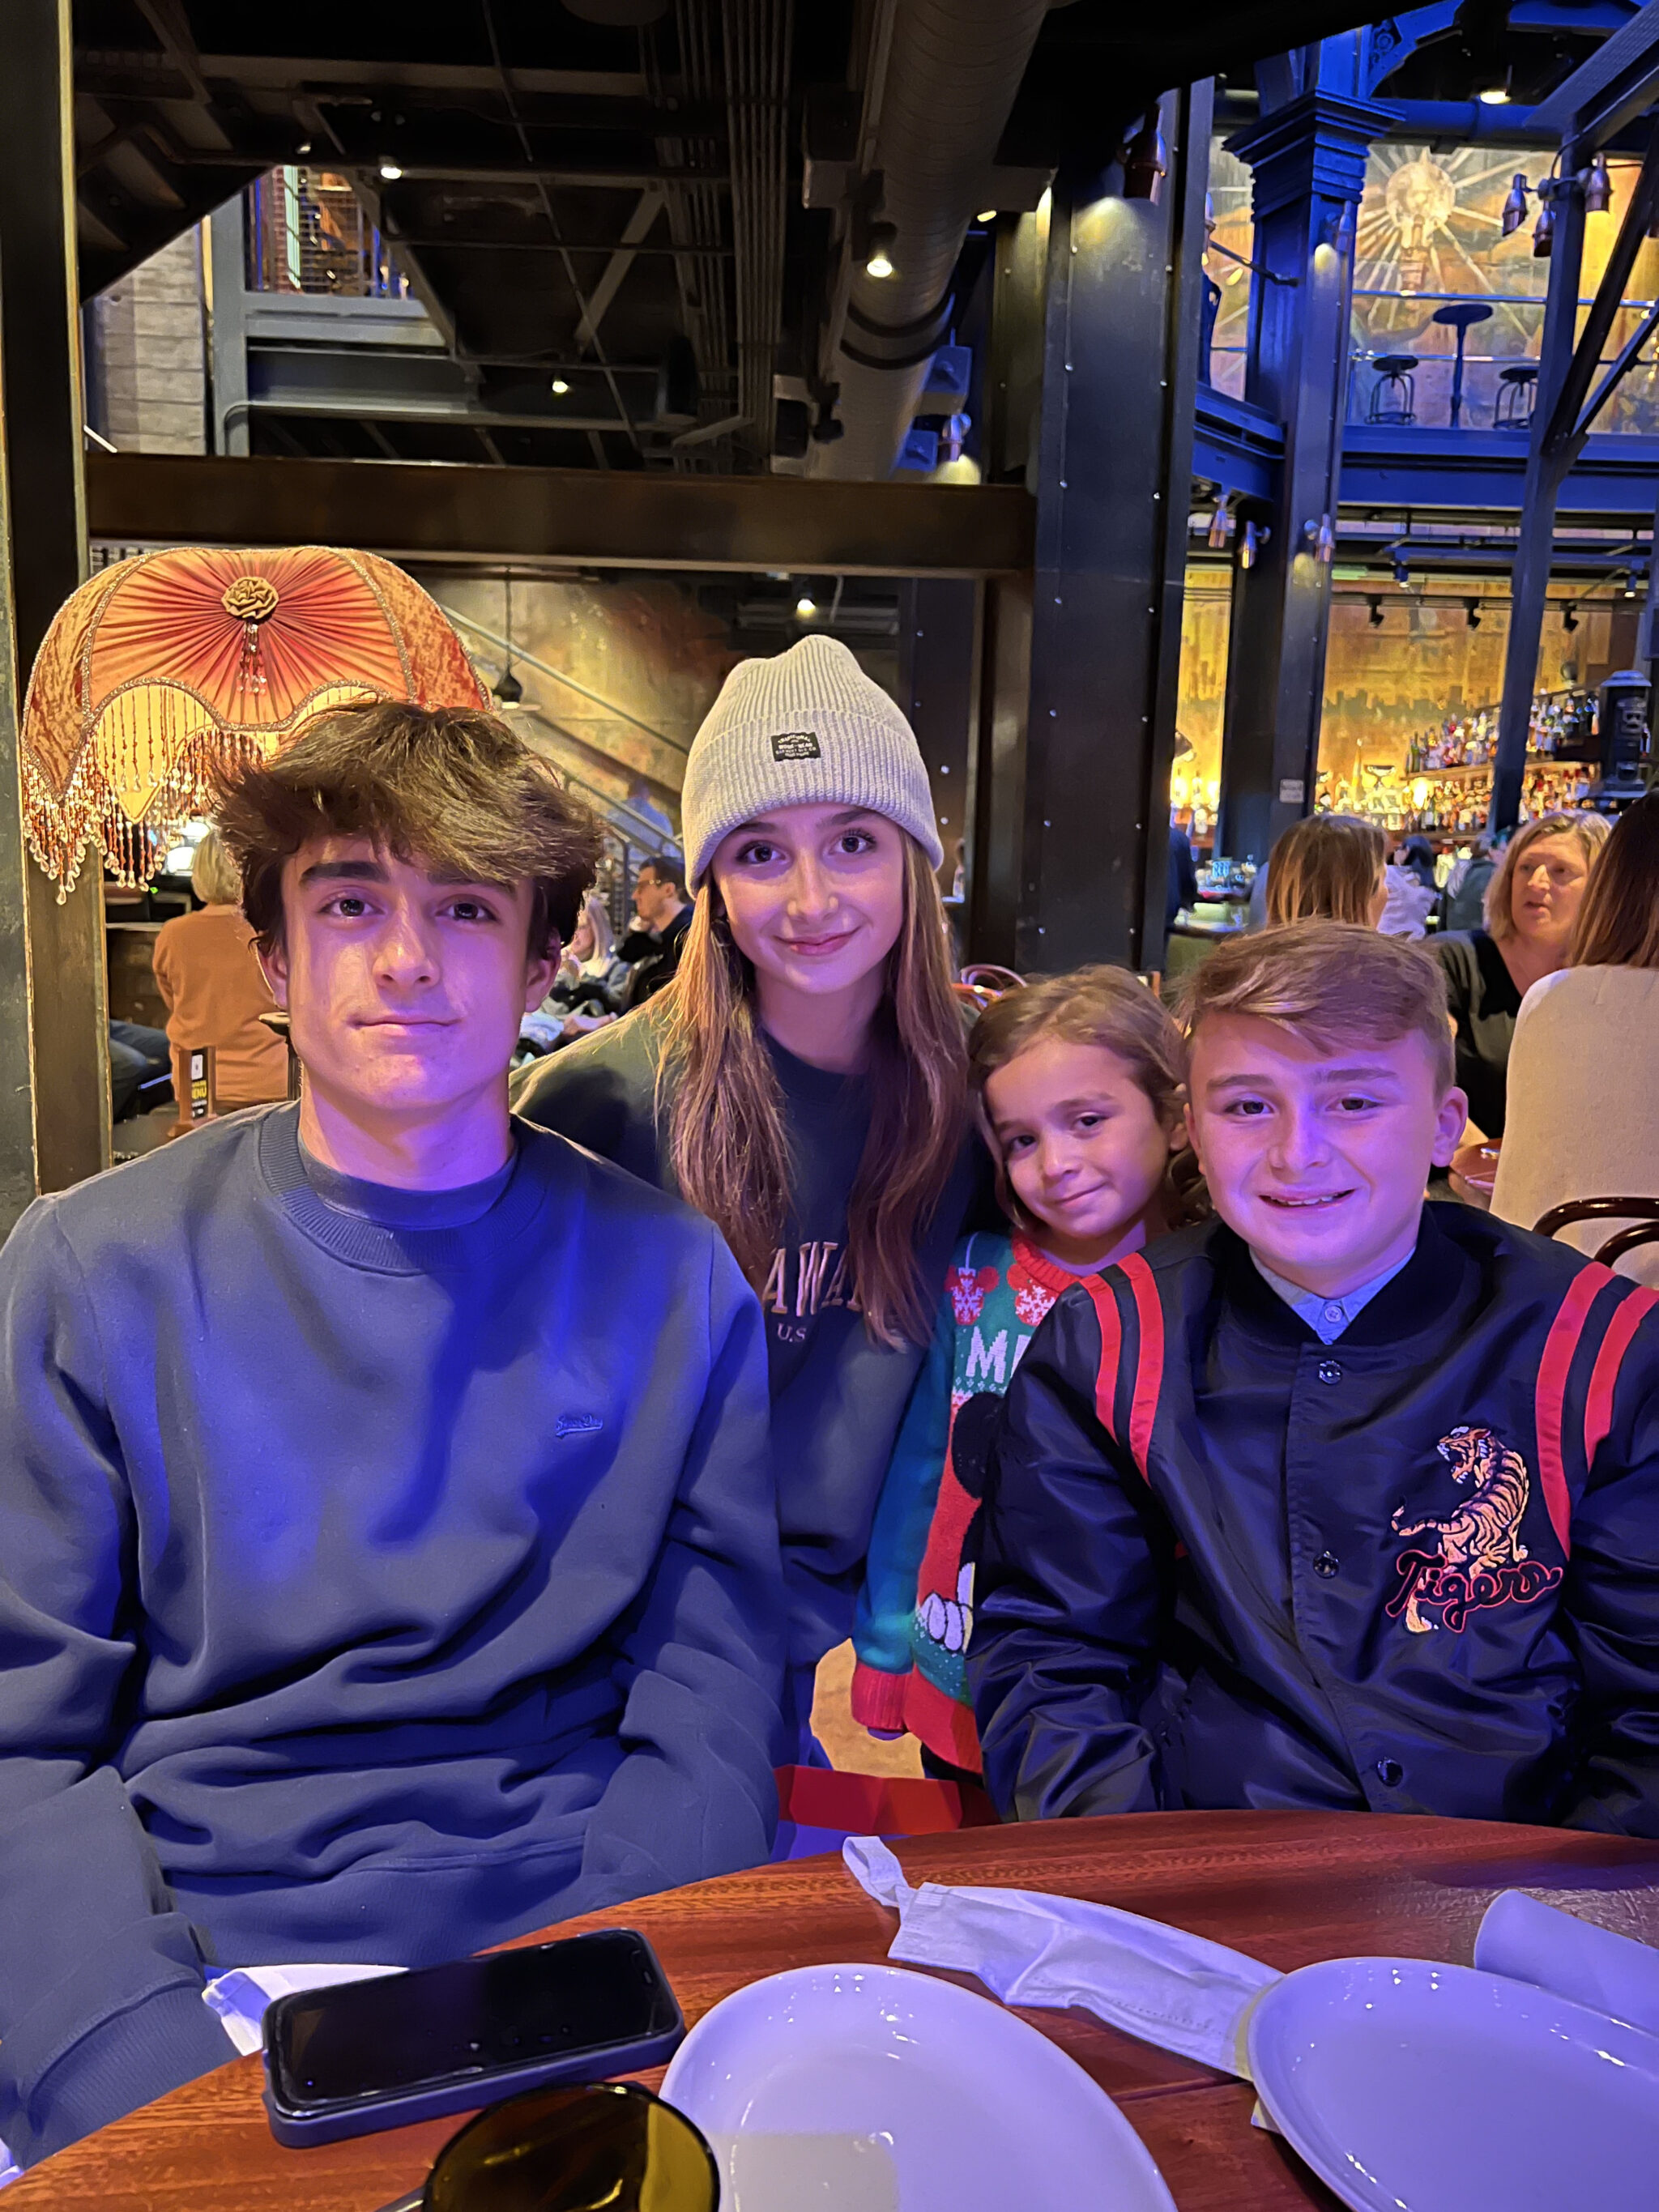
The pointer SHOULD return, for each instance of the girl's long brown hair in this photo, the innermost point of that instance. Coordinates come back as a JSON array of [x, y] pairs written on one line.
[[727, 1137]]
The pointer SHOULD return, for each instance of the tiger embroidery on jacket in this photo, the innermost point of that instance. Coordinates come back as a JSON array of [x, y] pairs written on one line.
[[1479, 1558]]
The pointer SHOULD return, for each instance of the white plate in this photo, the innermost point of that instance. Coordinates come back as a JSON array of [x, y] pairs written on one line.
[[871, 2089], [1414, 2088]]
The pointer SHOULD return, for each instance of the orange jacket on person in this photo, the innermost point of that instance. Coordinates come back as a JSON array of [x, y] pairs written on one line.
[[214, 993]]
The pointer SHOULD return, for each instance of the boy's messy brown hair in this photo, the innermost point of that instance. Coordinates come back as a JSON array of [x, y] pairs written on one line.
[[1331, 982], [453, 789], [1103, 1006]]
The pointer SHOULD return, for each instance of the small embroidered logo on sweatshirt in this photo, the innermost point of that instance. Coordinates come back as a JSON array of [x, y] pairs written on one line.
[[795, 744], [577, 1425]]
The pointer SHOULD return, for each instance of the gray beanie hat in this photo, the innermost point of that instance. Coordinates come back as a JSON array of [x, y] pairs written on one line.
[[803, 729]]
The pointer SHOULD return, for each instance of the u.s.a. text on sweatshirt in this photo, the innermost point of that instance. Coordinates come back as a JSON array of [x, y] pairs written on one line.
[[378, 1578]]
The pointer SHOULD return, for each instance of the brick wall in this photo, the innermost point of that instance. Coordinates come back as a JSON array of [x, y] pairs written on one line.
[[151, 339]]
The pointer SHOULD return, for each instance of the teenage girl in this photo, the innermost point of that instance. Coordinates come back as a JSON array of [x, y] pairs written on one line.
[[804, 1083], [1078, 1082]]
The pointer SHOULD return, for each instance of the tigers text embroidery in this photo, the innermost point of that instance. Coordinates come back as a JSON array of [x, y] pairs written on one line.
[[1477, 1559]]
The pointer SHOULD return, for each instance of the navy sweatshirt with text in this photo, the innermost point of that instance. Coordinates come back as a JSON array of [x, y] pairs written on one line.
[[382, 1575]]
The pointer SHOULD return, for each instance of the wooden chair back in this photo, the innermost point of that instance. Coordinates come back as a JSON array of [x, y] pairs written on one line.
[[1641, 1213]]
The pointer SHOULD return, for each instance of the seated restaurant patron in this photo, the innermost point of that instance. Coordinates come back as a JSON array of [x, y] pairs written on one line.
[[388, 1558]]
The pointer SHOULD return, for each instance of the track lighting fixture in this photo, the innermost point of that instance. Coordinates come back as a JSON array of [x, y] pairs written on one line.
[[1251, 539], [1543, 231], [805, 607], [1145, 161], [879, 262], [390, 173], [560, 387], [1402, 575], [1598, 187], [1515, 207]]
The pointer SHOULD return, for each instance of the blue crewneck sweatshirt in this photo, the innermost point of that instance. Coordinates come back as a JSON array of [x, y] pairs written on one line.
[[382, 1574]]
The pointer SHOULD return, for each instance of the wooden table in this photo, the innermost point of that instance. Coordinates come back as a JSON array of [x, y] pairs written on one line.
[[1287, 1887]]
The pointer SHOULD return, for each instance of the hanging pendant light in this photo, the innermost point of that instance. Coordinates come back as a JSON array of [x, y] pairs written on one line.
[[1515, 207], [506, 690], [1598, 187]]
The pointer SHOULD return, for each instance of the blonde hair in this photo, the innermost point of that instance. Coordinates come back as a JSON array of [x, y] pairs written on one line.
[[727, 1137], [213, 874], [1617, 924], [598, 921], [1106, 1007], [1329, 865], [1590, 830], [1331, 982]]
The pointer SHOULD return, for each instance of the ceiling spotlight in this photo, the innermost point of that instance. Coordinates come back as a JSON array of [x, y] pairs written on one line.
[[1514, 208], [506, 690], [1569, 619], [805, 607], [1402, 575], [879, 262], [1145, 161], [1598, 187], [1251, 539], [1221, 526], [1493, 95], [1630, 585], [1472, 613], [1375, 604], [560, 387], [986, 214], [1543, 231], [390, 173]]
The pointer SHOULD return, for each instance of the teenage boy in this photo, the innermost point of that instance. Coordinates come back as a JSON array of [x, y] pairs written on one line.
[[1342, 1500], [388, 1562]]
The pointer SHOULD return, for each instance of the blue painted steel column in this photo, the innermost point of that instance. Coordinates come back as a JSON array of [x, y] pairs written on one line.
[[1308, 159], [1112, 476]]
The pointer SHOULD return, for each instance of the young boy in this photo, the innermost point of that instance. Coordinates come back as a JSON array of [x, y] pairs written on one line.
[[388, 1549], [1342, 1500]]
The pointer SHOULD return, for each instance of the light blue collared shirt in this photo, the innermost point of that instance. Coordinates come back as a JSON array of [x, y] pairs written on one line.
[[1327, 1318]]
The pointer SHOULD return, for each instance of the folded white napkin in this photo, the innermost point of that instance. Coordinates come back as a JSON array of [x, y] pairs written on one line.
[[240, 1997], [1179, 1991], [1528, 1941]]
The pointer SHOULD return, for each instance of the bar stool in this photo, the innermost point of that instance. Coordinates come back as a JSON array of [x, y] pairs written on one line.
[[1517, 390], [1394, 396], [1459, 315]]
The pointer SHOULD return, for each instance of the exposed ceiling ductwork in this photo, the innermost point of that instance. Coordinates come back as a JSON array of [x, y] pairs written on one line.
[[934, 112]]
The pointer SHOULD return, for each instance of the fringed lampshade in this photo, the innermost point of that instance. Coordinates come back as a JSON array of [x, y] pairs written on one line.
[[166, 665]]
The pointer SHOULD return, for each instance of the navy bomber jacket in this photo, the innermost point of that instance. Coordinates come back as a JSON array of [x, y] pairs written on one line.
[[1416, 1570]]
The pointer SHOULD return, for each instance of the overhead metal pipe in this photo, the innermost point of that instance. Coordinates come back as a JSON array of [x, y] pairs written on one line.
[[953, 69]]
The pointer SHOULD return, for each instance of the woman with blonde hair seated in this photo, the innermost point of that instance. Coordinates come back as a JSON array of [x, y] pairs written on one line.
[[1328, 867], [212, 988], [1531, 904], [1584, 1082]]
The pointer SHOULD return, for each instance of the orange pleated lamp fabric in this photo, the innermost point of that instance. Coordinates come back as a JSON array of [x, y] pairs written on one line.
[[165, 664]]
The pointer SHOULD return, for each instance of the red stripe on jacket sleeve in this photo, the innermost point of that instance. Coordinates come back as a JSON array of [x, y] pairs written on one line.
[[1628, 1317], [1550, 1404], [1149, 1363], [1111, 1351]]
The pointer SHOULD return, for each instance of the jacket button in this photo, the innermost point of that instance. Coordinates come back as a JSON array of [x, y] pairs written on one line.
[[1328, 1371], [1390, 1772], [1327, 1564]]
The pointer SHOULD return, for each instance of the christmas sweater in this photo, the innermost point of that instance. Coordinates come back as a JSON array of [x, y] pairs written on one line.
[[916, 1611]]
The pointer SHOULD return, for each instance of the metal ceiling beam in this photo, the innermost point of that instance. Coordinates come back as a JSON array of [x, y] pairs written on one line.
[[436, 512], [647, 208], [1619, 82]]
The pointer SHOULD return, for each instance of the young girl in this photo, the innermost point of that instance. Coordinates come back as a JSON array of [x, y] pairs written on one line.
[[1078, 1081], [803, 1082]]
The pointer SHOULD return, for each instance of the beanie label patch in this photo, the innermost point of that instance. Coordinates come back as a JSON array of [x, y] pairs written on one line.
[[795, 744]]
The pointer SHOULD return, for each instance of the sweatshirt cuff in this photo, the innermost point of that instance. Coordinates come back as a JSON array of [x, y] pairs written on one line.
[[878, 1698], [120, 2031]]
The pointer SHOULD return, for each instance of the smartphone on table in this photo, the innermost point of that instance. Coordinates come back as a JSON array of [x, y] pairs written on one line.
[[404, 2047]]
